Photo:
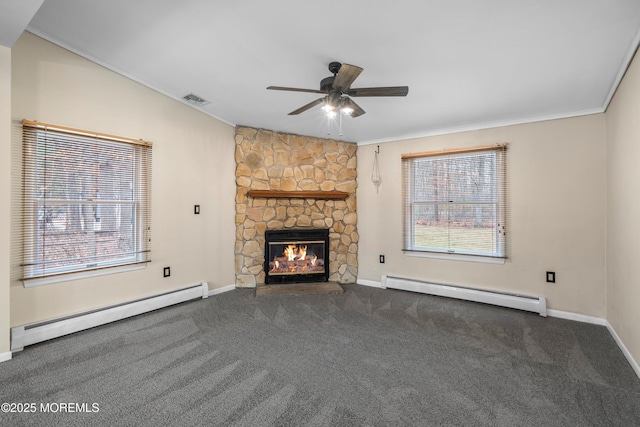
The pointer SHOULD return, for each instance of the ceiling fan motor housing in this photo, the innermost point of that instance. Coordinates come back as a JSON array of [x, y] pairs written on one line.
[[326, 84]]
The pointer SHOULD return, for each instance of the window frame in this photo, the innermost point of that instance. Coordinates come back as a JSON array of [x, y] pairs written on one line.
[[35, 271], [499, 201]]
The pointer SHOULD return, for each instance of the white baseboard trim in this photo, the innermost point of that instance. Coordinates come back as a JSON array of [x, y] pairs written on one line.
[[5, 356], [221, 290], [370, 283], [577, 317], [625, 351]]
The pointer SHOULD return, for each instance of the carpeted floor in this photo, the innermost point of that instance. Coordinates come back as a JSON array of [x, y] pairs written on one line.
[[365, 357]]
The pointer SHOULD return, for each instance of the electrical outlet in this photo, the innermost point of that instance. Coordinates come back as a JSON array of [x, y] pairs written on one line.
[[167, 271], [196, 209], [551, 277], [381, 259]]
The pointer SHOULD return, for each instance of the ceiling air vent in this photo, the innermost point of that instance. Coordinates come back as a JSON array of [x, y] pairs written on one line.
[[195, 100]]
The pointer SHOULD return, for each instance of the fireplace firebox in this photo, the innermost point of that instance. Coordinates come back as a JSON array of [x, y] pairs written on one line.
[[296, 255]]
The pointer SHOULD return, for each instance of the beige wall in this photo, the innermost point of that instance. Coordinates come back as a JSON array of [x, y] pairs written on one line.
[[557, 222], [623, 210], [5, 185], [193, 163]]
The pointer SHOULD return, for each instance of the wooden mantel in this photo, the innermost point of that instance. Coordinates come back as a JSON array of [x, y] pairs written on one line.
[[298, 194]]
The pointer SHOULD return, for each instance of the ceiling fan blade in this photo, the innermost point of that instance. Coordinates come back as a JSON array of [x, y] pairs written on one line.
[[295, 89], [379, 91], [346, 76], [306, 107], [357, 110]]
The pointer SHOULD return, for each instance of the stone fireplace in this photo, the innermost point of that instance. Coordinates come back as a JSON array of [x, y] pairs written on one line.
[[293, 182]]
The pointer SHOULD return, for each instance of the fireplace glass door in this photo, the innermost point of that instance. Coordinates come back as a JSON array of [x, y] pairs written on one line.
[[296, 256]]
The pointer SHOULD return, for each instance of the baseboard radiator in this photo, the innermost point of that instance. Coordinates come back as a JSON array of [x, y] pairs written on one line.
[[22, 336], [520, 302]]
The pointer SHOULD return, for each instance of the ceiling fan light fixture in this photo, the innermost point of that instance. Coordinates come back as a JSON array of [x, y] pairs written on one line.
[[345, 106], [328, 107], [331, 114]]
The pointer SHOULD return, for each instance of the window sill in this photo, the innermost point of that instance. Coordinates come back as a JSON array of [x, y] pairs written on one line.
[[456, 257], [81, 275]]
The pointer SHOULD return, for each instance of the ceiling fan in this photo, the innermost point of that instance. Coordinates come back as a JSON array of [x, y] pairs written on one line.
[[337, 90]]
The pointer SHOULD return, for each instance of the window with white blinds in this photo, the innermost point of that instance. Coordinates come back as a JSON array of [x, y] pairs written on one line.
[[86, 201], [455, 201]]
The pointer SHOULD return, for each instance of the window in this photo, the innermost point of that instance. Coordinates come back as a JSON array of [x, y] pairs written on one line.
[[455, 201], [86, 201]]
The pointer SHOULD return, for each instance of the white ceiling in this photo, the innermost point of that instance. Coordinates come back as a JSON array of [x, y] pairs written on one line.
[[469, 64], [14, 17]]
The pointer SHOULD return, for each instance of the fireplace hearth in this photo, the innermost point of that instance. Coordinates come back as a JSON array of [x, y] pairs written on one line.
[[296, 256]]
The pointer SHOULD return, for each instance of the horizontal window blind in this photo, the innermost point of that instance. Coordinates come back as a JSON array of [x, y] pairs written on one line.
[[456, 201], [86, 201]]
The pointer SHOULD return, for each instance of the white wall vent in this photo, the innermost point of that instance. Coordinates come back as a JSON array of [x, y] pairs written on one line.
[[195, 100]]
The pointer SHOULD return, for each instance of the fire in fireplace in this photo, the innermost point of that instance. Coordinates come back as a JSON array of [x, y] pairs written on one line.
[[296, 260], [296, 255]]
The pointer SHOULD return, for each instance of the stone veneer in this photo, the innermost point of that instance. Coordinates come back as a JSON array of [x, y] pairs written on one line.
[[268, 160]]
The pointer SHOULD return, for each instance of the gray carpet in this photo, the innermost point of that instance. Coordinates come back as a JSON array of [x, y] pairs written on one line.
[[365, 357]]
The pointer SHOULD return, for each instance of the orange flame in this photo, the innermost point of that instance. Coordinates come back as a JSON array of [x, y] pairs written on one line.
[[290, 252], [293, 252]]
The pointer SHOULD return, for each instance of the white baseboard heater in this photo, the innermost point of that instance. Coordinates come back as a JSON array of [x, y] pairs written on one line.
[[520, 302], [22, 336]]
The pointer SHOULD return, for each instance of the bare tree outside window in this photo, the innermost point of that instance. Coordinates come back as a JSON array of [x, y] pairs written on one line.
[[455, 203], [86, 202]]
